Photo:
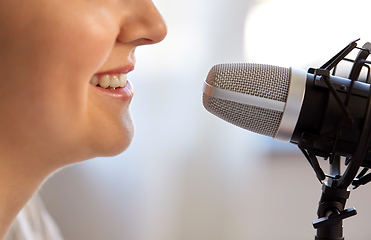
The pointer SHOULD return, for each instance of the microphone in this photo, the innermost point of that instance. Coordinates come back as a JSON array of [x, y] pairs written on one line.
[[325, 115], [290, 105]]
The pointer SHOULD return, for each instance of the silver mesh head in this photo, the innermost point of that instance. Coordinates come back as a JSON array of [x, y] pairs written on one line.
[[259, 80]]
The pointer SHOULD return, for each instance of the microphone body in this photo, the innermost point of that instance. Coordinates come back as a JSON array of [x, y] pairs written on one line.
[[320, 114], [288, 104]]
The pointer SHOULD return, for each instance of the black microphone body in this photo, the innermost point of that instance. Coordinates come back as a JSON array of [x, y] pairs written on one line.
[[320, 113]]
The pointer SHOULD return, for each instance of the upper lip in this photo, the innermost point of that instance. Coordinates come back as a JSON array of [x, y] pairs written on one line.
[[125, 70]]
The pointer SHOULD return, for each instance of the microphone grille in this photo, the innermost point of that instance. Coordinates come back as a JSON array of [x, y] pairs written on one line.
[[259, 80]]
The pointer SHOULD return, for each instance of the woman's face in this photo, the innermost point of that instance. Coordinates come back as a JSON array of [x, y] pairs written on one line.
[[50, 51]]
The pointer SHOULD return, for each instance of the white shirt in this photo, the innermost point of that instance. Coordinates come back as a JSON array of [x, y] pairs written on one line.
[[34, 223]]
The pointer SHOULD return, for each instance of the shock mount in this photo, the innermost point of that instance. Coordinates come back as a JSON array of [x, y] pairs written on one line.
[[335, 184]]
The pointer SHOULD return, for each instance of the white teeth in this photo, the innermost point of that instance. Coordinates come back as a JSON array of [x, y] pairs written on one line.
[[94, 80], [105, 81], [123, 80], [115, 82]]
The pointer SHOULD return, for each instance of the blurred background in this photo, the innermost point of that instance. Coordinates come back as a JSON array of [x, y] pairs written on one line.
[[189, 175]]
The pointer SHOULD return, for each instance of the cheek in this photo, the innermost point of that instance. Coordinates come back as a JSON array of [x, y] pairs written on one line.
[[51, 52], [82, 51], [75, 49], [63, 65], [76, 57], [45, 38], [48, 65]]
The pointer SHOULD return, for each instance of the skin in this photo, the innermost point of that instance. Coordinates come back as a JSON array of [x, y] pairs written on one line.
[[51, 116]]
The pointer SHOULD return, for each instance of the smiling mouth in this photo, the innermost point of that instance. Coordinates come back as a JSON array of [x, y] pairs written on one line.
[[110, 81]]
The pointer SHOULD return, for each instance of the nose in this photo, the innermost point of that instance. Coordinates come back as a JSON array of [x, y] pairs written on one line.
[[143, 25]]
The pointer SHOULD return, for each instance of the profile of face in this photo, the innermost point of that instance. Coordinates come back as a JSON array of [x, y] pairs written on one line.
[[63, 66]]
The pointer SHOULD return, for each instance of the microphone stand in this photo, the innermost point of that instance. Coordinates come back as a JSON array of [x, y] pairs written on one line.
[[331, 208]]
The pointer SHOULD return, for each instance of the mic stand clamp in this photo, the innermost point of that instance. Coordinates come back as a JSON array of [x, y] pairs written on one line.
[[331, 212]]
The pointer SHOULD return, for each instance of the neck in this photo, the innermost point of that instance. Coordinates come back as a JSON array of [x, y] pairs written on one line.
[[19, 180]]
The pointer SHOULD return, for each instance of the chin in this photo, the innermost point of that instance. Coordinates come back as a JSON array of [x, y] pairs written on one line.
[[118, 147], [110, 150], [113, 141]]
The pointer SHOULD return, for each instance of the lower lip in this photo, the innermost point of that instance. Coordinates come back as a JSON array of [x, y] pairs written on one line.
[[124, 93]]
